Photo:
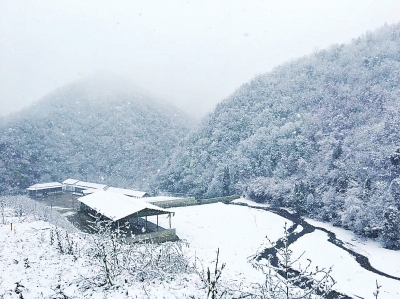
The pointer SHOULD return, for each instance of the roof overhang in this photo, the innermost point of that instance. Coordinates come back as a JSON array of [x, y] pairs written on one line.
[[45, 186], [118, 206]]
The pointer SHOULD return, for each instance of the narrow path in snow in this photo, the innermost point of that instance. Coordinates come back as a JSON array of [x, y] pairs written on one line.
[[362, 260]]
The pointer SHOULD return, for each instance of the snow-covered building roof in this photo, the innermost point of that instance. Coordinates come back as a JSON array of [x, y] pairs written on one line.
[[87, 185], [118, 206], [70, 182], [90, 191], [128, 192], [45, 186], [84, 185]]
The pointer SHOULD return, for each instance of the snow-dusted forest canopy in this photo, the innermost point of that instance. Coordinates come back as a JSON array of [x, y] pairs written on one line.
[[91, 130], [319, 134]]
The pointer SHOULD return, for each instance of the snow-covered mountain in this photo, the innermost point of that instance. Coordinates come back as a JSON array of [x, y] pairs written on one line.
[[318, 134], [100, 129]]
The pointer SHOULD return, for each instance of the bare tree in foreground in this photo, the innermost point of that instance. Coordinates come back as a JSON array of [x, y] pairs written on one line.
[[287, 278]]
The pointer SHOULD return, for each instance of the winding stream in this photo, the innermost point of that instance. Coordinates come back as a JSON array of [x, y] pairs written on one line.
[[362, 260]]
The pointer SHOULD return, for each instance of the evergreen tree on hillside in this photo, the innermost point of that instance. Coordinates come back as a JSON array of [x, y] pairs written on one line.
[[226, 182], [391, 228], [395, 191], [300, 194]]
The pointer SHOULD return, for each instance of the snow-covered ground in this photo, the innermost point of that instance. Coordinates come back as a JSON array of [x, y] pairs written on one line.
[[382, 259], [351, 278], [238, 231], [31, 268], [250, 203]]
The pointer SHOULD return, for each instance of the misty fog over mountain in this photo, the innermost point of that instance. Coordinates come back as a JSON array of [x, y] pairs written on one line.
[[235, 118]]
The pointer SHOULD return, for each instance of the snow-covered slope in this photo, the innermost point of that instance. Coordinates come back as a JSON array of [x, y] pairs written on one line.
[[31, 263], [30, 266]]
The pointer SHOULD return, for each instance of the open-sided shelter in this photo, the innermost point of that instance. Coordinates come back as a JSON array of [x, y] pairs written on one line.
[[119, 207], [77, 186], [127, 192], [38, 190], [69, 185]]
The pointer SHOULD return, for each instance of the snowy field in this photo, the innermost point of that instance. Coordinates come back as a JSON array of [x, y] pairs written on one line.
[[383, 259], [238, 231], [351, 278], [31, 268]]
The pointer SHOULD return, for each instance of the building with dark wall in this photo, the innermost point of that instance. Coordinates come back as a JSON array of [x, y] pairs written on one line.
[[45, 189]]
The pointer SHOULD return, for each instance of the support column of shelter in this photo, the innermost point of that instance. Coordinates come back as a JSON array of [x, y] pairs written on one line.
[[125, 209]]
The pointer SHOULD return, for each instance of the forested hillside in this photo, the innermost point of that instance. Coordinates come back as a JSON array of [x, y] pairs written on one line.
[[100, 129], [319, 134]]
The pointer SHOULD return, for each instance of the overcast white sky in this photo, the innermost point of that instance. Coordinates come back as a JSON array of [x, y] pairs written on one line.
[[192, 53]]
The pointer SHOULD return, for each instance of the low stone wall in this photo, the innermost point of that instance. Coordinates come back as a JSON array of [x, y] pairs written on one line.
[[182, 202], [191, 201], [224, 199], [156, 237]]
